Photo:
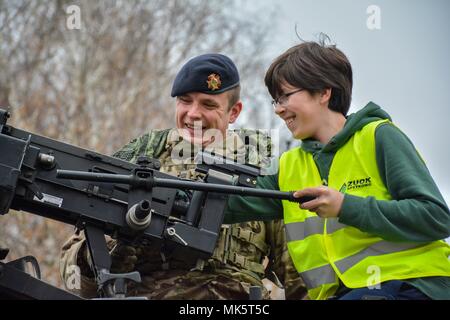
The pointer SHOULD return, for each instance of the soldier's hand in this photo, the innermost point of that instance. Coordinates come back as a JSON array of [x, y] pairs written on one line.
[[123, 258]]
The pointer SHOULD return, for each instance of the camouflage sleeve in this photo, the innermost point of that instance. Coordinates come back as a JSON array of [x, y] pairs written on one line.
[[74, 267], [130, 151], [280, 261], [150, 144], [74, 270]]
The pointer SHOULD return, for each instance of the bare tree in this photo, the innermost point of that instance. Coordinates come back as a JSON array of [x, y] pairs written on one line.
[[108, 82]]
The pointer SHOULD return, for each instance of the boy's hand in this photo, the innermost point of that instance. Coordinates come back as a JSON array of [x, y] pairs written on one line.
[[327, 202]]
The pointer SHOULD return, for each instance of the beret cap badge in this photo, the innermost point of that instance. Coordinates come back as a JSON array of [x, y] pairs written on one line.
[[214, 82]]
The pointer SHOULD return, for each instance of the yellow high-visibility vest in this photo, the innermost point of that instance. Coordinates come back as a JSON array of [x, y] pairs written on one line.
[[325, 250]]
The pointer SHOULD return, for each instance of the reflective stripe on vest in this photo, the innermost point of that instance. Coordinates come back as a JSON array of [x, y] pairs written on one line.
[[312, 225], [325, 274], [301, 230], [318, 276], [325, 251], [379, 248]]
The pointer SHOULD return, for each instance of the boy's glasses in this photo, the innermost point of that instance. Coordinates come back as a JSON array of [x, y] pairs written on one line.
[[284, 99]]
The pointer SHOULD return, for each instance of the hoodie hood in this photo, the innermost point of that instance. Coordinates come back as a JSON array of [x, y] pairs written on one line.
[[371, 112]]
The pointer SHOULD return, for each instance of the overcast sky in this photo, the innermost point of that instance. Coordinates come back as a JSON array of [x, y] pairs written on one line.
[[404, 66]]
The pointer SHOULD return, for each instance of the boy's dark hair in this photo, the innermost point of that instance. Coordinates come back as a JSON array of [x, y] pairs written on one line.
[[313, 66]]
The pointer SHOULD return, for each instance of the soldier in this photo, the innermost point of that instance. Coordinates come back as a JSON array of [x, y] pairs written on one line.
[[207, 92]]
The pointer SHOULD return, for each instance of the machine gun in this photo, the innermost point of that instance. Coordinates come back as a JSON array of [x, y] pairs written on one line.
[[102, 195]]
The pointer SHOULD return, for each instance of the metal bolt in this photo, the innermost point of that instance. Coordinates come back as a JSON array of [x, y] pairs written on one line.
[[46, 160]]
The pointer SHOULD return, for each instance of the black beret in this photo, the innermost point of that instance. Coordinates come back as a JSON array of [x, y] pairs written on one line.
[[210, 73]]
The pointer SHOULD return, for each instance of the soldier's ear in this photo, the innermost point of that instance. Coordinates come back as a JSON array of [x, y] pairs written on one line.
[[234, 111]]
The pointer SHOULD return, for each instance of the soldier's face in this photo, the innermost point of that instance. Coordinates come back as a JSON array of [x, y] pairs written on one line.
[[203, 118]]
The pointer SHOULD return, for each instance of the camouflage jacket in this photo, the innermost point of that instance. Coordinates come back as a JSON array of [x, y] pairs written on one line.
[[242, 251]]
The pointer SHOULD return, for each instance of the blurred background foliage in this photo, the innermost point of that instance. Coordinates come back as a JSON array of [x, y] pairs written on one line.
[[108, 82]]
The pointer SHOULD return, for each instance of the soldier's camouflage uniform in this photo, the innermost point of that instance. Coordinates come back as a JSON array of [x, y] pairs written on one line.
[[237, 262]]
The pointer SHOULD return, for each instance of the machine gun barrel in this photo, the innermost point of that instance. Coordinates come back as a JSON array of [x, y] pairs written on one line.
[[152, 182]]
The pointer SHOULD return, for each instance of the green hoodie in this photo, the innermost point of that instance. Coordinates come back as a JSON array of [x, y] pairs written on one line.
[[417, 213]]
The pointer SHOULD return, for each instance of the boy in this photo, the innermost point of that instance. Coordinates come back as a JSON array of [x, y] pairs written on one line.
[[375, 227]]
